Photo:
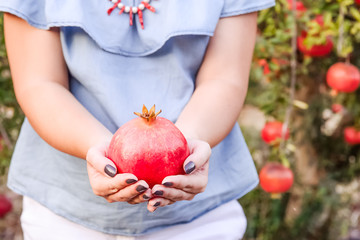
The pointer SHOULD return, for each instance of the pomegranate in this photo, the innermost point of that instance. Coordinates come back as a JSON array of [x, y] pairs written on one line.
[[272, 132], [352, 135], [300, 8], [343, 77], [315, 50], [319, 50], [5, 205], [336, 107], [357, 2], [276, 178], [150, 147]]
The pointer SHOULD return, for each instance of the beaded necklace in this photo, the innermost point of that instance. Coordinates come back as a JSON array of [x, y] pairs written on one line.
[[132, 10]]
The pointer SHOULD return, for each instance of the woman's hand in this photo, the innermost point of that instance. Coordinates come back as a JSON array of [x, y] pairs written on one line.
[[113, 187], [184, 187]]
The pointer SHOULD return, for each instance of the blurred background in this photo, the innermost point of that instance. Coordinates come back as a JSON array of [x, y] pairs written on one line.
[[301, 121]]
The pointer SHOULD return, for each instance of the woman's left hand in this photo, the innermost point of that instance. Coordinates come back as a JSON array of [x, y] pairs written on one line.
[[184, 187]]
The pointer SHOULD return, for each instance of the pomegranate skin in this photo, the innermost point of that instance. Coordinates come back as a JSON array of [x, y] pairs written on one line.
[[151, 150]]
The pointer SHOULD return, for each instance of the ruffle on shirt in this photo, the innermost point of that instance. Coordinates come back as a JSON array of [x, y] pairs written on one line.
[[113, 33]]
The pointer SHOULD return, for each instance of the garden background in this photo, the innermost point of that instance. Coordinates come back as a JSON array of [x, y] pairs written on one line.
[[297, 43]]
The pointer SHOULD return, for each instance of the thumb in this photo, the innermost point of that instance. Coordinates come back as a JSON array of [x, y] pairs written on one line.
[[200, 152], [96, 157]]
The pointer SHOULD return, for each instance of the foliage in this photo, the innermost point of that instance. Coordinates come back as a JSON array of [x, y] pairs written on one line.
[[308, 211]]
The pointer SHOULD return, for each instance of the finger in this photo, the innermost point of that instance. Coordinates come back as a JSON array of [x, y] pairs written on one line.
[[129, 192], [172, 194], [96, 158], [143, 197], [155, 203], [200, 152], [192, 183], [104, 186]]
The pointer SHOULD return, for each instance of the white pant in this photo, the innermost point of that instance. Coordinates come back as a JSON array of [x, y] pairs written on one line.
[[227, 222]]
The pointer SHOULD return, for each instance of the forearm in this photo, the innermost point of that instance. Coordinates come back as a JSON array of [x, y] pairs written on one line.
[[212, 111], [222, 81], [59, 118]]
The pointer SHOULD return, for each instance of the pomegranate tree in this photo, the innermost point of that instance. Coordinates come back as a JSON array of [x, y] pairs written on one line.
[[275, 178], [150, 147], [343, 77]]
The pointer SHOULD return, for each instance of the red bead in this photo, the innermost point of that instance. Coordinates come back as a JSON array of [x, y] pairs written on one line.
[[141, 19], [113, 7], [131, 16], [148, 6], [122, 10]]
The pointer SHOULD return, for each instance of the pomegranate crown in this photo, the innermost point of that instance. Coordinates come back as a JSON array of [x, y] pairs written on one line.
[[148, 115]]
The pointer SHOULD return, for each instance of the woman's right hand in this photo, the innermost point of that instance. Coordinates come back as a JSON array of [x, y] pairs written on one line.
[[113, 187]]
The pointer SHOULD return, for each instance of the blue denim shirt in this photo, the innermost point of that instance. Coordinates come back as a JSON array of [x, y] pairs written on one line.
[[114, 68]]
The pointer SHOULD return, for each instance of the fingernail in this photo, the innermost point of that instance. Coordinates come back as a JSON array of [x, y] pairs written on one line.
[[110, 170], [189, 167], [141, 188], [146, 197], [130, 180], [157, 204], [168, 184], [159, 193]]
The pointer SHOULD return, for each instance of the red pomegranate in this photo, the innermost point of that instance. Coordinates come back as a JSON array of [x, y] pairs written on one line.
[[320, 50], [276, 178], [315, 50], [352, 135], [300, 8], [343, 77], [357, 2], [150, 147], [5, 205], [272, 132], [336, 107]]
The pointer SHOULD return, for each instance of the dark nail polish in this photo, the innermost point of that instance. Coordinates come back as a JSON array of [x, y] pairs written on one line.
[[168, 184], [159, 193], [129, 181], [189, 167], [110, 170], [146, 197], [157, 204], [141, 188]]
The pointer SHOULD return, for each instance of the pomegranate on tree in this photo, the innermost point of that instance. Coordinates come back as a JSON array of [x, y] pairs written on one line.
[[150, 147], [343, 77], [317, 50], [336, 107], [300, 8], [275, 178], [352, 135], [272, 132]]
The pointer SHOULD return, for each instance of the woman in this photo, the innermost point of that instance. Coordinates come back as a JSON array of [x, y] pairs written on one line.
[[80, 72]]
